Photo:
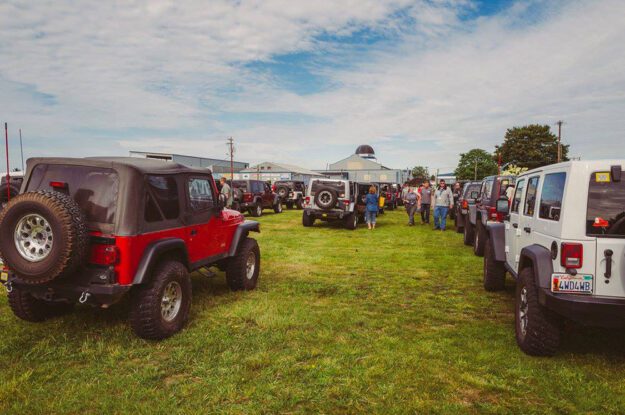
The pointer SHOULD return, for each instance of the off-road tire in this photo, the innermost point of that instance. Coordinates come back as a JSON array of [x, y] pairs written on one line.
[[469, 234], [282, 192], [236, 272], [459, 229], [299, 204], [351, 221], [146, 319], [307, 220], [542, 336], [29, 308], [70, 245], [277, 208], [494, 271], [480, 239], [333, 198], [257, 210]]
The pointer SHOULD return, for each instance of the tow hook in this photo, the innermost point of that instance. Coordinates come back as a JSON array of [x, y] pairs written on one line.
[[84, 297], [9, 286]]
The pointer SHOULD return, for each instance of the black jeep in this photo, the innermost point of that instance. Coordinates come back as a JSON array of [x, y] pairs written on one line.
[[290, 192]]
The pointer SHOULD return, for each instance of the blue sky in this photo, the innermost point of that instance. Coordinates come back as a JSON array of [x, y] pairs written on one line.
[[306, 82]]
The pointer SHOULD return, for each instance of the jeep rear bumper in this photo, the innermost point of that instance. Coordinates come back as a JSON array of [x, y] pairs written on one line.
[[92, 294], [326, 214], [586, 310]]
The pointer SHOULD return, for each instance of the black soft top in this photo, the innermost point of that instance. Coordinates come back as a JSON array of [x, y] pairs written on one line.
[[140, 165]]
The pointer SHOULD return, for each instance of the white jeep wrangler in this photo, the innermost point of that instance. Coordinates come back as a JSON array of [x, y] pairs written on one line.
[[563, 240], [328, 200]]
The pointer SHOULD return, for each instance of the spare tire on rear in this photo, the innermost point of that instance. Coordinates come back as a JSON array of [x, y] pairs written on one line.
[[283, 192], [326, 198], [43, 236]]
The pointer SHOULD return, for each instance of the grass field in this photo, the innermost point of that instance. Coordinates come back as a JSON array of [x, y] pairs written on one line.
[[389, 321]]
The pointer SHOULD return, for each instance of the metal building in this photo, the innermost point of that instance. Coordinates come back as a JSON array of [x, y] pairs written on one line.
[[269, 171], [362, 166]]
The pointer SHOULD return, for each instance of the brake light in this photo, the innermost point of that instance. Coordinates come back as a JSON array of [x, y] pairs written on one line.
[[493, 213], [104, 254], [58, 185], [273, 188], [572, 255], [388, 195], [346, 202], [307, 200], [465, 204], [247, 197]]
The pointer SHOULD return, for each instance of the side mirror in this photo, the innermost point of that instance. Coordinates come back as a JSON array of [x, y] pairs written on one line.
[[221, 201], [503, 206]]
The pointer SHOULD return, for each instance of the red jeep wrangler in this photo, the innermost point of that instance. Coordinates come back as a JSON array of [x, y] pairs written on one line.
[[93, 230]]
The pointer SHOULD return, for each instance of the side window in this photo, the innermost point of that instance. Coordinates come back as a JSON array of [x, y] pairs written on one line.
[[200, 194], [162, 200], [551, 196], [530, 196], [486, 190], [516, 202]]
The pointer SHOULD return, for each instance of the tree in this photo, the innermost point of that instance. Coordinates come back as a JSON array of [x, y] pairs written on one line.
[[475, 165], [420, 172], [513, 170], [530, 146]]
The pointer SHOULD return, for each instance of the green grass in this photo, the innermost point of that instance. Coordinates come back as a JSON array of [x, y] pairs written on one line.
[[389, 321]]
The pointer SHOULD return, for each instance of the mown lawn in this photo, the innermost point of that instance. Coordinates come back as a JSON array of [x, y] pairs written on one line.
[[389, 321]]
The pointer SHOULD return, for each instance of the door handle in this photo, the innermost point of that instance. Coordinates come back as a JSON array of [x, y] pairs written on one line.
[[608, 262], [193, 232], [515, 225], [527, 229]]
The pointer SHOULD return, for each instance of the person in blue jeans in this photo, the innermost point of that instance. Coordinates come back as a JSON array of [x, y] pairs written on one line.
[[443, 201], [371, 210]]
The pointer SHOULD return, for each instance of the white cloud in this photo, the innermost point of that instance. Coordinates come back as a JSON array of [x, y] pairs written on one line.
[[105, 77]]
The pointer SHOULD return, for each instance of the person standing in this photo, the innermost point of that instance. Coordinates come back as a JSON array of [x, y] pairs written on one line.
[[226, 190], [426, 202], [371, 210], [411, 201], [443, 201]]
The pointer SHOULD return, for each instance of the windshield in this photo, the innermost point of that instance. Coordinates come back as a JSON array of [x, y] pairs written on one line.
[[93, 188], [606, 206]]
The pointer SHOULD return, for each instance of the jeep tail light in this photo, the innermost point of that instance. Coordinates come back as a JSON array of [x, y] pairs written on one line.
[[346, 202], [104, 254], [247, 197], [465, 204], [572, 255], [273, 188]]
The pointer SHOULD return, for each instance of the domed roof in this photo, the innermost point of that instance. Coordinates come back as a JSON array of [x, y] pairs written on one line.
[[365, 149]]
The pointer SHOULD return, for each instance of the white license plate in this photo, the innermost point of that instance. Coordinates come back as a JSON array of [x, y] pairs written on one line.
[[4, 277], [565, 283]]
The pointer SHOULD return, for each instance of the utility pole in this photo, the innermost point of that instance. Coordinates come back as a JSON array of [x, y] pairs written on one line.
[[475, 175], [230, 144], [560, 140], [22, 150]]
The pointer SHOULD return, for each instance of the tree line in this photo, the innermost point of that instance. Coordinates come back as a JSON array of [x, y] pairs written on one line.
[[526, 147]]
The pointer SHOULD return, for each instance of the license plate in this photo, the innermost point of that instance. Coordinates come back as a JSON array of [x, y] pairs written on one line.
[[4, 276], [565, 283], [325, 215]]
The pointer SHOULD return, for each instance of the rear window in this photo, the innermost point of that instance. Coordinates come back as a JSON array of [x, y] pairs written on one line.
[[606, 206], [93, 188], [240, 184], [338, 186], [471, 188]]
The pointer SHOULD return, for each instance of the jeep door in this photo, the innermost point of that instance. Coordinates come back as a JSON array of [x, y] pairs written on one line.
[[512, 229], [605, 220], [267, 195], [528, 212], [206, 234]]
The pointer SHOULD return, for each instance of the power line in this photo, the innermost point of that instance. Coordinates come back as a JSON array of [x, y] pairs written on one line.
[[231, 150]]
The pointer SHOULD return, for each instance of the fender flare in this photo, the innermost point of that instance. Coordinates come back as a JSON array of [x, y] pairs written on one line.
[[241, 233], [539, 258], [497, 238], [153, 252]]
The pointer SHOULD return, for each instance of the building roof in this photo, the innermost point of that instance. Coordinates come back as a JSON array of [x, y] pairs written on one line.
[[280, 168], [355, 162], [154, 153]]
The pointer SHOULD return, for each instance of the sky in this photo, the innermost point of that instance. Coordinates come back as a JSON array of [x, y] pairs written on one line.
[[306, 82]]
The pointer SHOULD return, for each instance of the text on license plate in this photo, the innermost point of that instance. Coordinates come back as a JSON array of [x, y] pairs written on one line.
[[565, 283], [4, 277]]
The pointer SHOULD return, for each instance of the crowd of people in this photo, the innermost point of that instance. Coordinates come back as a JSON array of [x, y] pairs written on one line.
[[423, 199]]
